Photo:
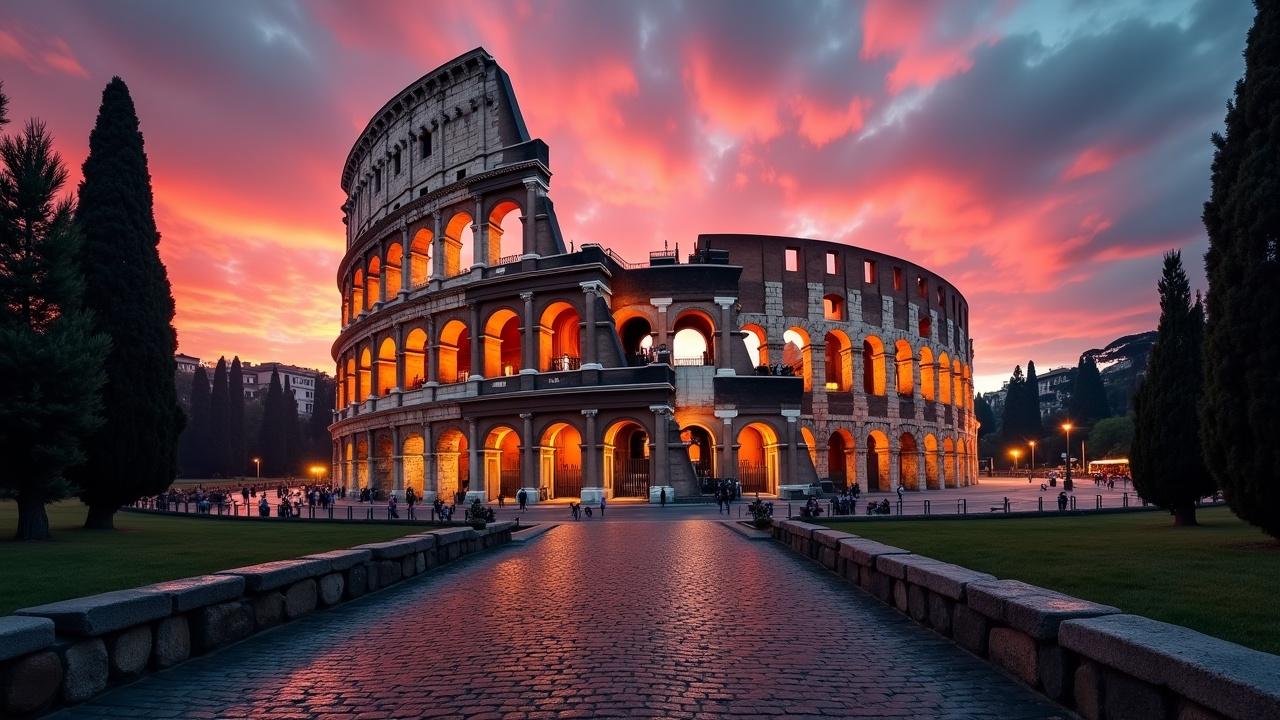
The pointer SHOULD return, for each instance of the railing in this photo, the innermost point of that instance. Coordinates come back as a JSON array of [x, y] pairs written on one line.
[[631, 477], [620, 260], [753, 477], [692, 361], [564, 363], [508, 259], [568, 479], [510, 480]]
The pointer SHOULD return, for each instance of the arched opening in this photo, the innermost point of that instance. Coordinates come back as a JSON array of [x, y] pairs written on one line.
[[637, 340], [459, 246], [346, 305], [372, 285], [452, 465], [506, 233], [455, 352], [386, 366], [365, 387], [701, 449], [340, 387], [626, 459], [357, 294], [758, 460], [394, 268], [873, 371], [797, 355], [383, 462], [810, 444], [352, 394], [906, 374], [950, 471], [415, 359], [841, 460], [957, 384], [838, 368], [877, 462], [693, 340], [362, 462], [931, 478], [754, 338], [908, 462], [420, 258], [559, 338], [926, 327], [833, 307], [944, 378], [968, 388], [501, 463], [927, 376], [501, 344], [560, 461], [411, 452]]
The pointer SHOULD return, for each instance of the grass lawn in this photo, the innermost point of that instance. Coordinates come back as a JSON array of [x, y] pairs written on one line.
[[145, 549], [1221, 578]]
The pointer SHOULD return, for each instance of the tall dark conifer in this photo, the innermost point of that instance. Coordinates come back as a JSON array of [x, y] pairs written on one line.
[[135, 451], [237, 448], [194, 448], [294, 450], [271, 439], [50, 357], [319, 443], [1168, 468], [1240, 413], [219, 421], [1012, 422], [1088, 396], [1031, 404], [984, 415]]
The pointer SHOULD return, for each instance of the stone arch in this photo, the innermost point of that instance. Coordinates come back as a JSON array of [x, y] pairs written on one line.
[[357, 293], [838, 355], [877, 462], [453, 472], [797, 354], [906, 373], [636, 334], [931, 479], [908, 462], [459, 243], [928, 377], [393, 268], [559, 338], [759, 464], [501, 352], [873, 370], [693, 338], [756, 341], [364, 386], [950, 471], [352, 394], [506, 234], [502, 471], [415, 359], [944, 378], [420, 258], [362, 462], [412, 450], [810, 443], [842, 459], [701, 447], [626, 458], [373, 283], [560, 460], [386, 366], [455, 352], [957, 384]]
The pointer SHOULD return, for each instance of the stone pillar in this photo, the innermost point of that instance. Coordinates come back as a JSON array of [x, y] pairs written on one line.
[[480, 237], [529, 336], [382, 274], [724, 356], [590, 291], [921, 480], [337, 472], [474, 467], [664, 328], [860, 466], [398, 331], [371, 392], [437, 250], [406, 264], [895, 449], [353, 477], [592, 480], [370, 466], [661, 437], [477, 338], [793, 447], [433, 352], [529, 480], [728, 468], [397, 463], [529, 219], [430, 475]]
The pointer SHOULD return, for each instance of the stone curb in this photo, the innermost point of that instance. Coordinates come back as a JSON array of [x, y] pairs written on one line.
[[277, 574], [1033, 610], [528, 533], [196, 592], [96, 615], [24, 635], [340, 560]]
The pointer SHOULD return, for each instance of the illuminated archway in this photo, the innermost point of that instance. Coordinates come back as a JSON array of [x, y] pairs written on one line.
[[357, 293], [383, 462], [501, 463], [957, 385], [701, 447], [386, 366], [453, 471], [372, 284], [394, 268], [362, 462], [839, 361], [559, 338], [841, 459], [798, 355], [506, 233], [637, 340], [411, 462], [455, 352], [758, 461], [931, 479], [908, 462], [944, 378], [810, 444], [415, 359], [693, 341], [877, 462], [502, 344], [420, 258], [754, 339], [365, 387], [352, 394], [560, 461], [906, 374], [950, 470], [928, 380], [459, 246], [626, 459], [873, 371]]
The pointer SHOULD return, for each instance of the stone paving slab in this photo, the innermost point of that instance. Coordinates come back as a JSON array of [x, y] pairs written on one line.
[[594, 620], [95, 615], [22, 635], [1220, 675]]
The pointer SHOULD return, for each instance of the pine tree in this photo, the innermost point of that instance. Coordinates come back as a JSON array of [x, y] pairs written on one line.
[[319, 442], [1168, 468], [219, 421], [1240, 411], [272, 439], [50, 357], [135, 451], [1088, 401], [294, 450], [1012, 423], [987, 419], [237, 450], [1031, 404], [194, 446]]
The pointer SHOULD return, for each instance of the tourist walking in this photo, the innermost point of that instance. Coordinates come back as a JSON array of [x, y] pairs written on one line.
[[602, 507], [522, 499], [502, 500], [391, 507]]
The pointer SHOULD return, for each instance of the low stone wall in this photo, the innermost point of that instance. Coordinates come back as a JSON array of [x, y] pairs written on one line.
[[1092, 658], [69, 651]]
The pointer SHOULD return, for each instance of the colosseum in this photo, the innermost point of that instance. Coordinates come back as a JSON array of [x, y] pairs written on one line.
[[480, 355]]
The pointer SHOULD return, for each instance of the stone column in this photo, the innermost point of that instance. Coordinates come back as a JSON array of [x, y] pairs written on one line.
[[895, 449], [353, 477], [433, 352], [529, 219], [430, 475], [406, 264], [661, 431], [477, 339], [398, 331], [397, 463], [474, 467], [860, 466], [480, 237], [529, 336], [664, 328], [382, 274], [372, 390], [728, 468], [590, 290], [437, 250], [724, 357], [336, 469], [592, 480], [529, 480], [370, 466], [921, 481], [793, 449]]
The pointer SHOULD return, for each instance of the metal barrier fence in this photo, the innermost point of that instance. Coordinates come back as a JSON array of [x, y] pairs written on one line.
[[924, 507], [424, 513]]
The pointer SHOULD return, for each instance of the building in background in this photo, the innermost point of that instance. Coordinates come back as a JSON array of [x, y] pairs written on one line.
[[256, 379]]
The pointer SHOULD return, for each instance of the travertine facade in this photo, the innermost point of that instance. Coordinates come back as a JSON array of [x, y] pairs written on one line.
[[770, 360]]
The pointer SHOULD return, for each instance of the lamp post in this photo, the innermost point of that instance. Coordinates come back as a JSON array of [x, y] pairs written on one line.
[[1031, 471], [1066, 483], [257, 467], [1015, 453]]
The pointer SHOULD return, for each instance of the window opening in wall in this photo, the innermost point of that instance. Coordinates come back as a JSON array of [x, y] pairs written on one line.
[[792, 259], [462, 174], [395, 162], [942, 297], [921, 287], [897, 278], [377, 180], [926, 327], [833, 266], [425, 142], [422, 192], [868, 271], [833, 307]]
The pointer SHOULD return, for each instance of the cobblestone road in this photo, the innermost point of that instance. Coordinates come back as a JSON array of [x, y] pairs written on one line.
[[680, 620]]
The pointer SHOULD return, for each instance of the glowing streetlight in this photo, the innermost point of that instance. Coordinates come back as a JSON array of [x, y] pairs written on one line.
[[1031, 471], [1015, 454], [316, 471], [257, 467], [1066, 484]]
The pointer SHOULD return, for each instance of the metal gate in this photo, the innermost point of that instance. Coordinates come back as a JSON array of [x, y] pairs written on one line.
[[631, 477], [753, 477], [510, 484], [568, 479]]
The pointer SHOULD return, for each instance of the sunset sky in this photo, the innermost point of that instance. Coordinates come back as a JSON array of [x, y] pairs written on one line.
[[1041, 156]]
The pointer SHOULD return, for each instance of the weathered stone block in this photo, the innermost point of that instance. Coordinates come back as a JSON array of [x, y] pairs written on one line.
[[969, 628], [1055, 672], [280, 573], [172, 642], [190, 593], [452, 536], [1016, 652], [96, 615], [895, 566], [342, 560], [419, 563], [917, 603], [85, 670], [330, 588], [1188, 710], [129, 651], [1030, 609], [357, 582], [826, 537], [371, 573], [1224, 677], [900, 595], [1086, 688], [23, 635], [396, 549], [300, 599], [31, 683], [865, 551], [1128, 698], [409, 565], [388, 572], [222, 624], [940, 609], [268, 610], [944, 579], [880, 585]]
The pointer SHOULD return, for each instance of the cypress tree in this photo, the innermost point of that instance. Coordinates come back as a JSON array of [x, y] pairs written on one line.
[[219, 421], [987, 419], [1088, 396], [194, 446], [135, 451], [1165, 455], [238, 451], [294, 450], [50, 357], [272, 440], [1240, 411], [1013, 417], [319, 442], [1031, 404]]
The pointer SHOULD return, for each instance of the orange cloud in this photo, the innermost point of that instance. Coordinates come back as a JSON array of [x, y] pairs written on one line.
[[820, 124], [1092, 160]]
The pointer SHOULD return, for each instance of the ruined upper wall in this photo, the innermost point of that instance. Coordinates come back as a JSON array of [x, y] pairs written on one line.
[[456, 121]]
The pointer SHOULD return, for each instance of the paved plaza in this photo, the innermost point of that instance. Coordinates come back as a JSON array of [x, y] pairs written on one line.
[[601, 619]]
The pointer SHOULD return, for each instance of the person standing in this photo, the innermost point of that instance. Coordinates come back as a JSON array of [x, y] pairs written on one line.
[[522, 498], [602, 506], [662, 497]]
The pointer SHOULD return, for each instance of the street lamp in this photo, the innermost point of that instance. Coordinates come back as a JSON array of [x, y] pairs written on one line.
[[1066, 484], [1015, 454], [257, 467], [1032, 470], [315, 472]]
